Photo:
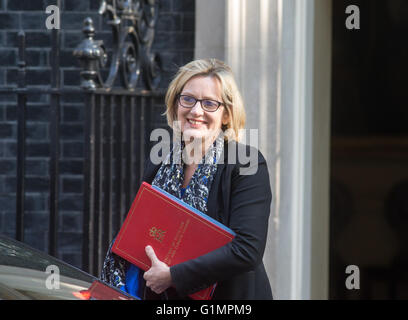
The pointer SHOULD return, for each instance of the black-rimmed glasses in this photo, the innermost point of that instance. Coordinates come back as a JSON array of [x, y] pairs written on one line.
[[207, 104]]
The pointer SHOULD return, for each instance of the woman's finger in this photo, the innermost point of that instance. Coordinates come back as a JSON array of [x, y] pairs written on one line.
[[151, 255]]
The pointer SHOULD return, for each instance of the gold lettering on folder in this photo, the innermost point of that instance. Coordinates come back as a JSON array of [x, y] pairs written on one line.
[[176, 241]]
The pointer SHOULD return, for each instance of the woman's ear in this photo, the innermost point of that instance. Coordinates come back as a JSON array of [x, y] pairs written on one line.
[[225, 121], [225, 118]]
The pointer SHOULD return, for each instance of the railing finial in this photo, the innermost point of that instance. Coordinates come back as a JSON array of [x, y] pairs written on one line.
[[132, 23], [88, 28], [91, 54]]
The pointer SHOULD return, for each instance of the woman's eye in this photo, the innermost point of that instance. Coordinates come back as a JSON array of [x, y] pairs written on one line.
[[209, 103], [188, 99]]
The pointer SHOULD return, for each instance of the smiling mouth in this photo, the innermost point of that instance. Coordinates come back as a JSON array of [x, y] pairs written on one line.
[[195, 121]]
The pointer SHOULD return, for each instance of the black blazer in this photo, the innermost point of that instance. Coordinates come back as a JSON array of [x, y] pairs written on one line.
[[241, 202]]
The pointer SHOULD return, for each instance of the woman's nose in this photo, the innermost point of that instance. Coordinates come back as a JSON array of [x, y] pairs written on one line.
[[197, 109]]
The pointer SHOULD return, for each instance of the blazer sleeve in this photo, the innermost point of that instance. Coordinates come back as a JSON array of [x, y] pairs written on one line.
[[250, 202]]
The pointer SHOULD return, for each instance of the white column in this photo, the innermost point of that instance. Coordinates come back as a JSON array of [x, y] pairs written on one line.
[[210, 29], [280, 51]]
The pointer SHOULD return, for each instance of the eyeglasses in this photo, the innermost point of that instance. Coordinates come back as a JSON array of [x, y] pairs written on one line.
[[207, 104]]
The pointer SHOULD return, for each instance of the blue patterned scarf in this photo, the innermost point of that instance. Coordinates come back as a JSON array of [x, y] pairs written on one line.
[[170, 176]]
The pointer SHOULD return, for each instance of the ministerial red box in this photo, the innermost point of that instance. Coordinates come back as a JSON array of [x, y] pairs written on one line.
[[176, 231]]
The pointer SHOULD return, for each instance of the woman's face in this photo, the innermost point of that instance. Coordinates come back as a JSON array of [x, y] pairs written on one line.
[[195, 122]]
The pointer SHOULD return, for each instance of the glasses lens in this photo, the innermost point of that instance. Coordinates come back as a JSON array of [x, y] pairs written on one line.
[[187, 101], [210, 105]]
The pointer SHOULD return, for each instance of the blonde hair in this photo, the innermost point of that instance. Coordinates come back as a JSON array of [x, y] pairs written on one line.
[[230, 94]]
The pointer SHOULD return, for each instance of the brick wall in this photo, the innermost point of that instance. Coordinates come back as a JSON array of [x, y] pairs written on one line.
[[174, 41]]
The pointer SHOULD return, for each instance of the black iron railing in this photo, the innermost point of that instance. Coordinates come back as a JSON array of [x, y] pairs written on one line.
[[23, 91], [118, 128], [132, 24]]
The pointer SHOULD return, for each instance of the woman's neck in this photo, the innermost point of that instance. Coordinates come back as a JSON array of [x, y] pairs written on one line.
[[195, 150]]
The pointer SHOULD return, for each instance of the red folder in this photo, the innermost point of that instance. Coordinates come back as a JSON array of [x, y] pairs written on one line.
[[176, 231]]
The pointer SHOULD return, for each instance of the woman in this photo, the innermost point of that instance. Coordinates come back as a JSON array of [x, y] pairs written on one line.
[[205, 107]]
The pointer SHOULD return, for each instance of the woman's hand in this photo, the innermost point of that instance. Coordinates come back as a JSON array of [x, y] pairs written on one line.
[[158, 277]]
